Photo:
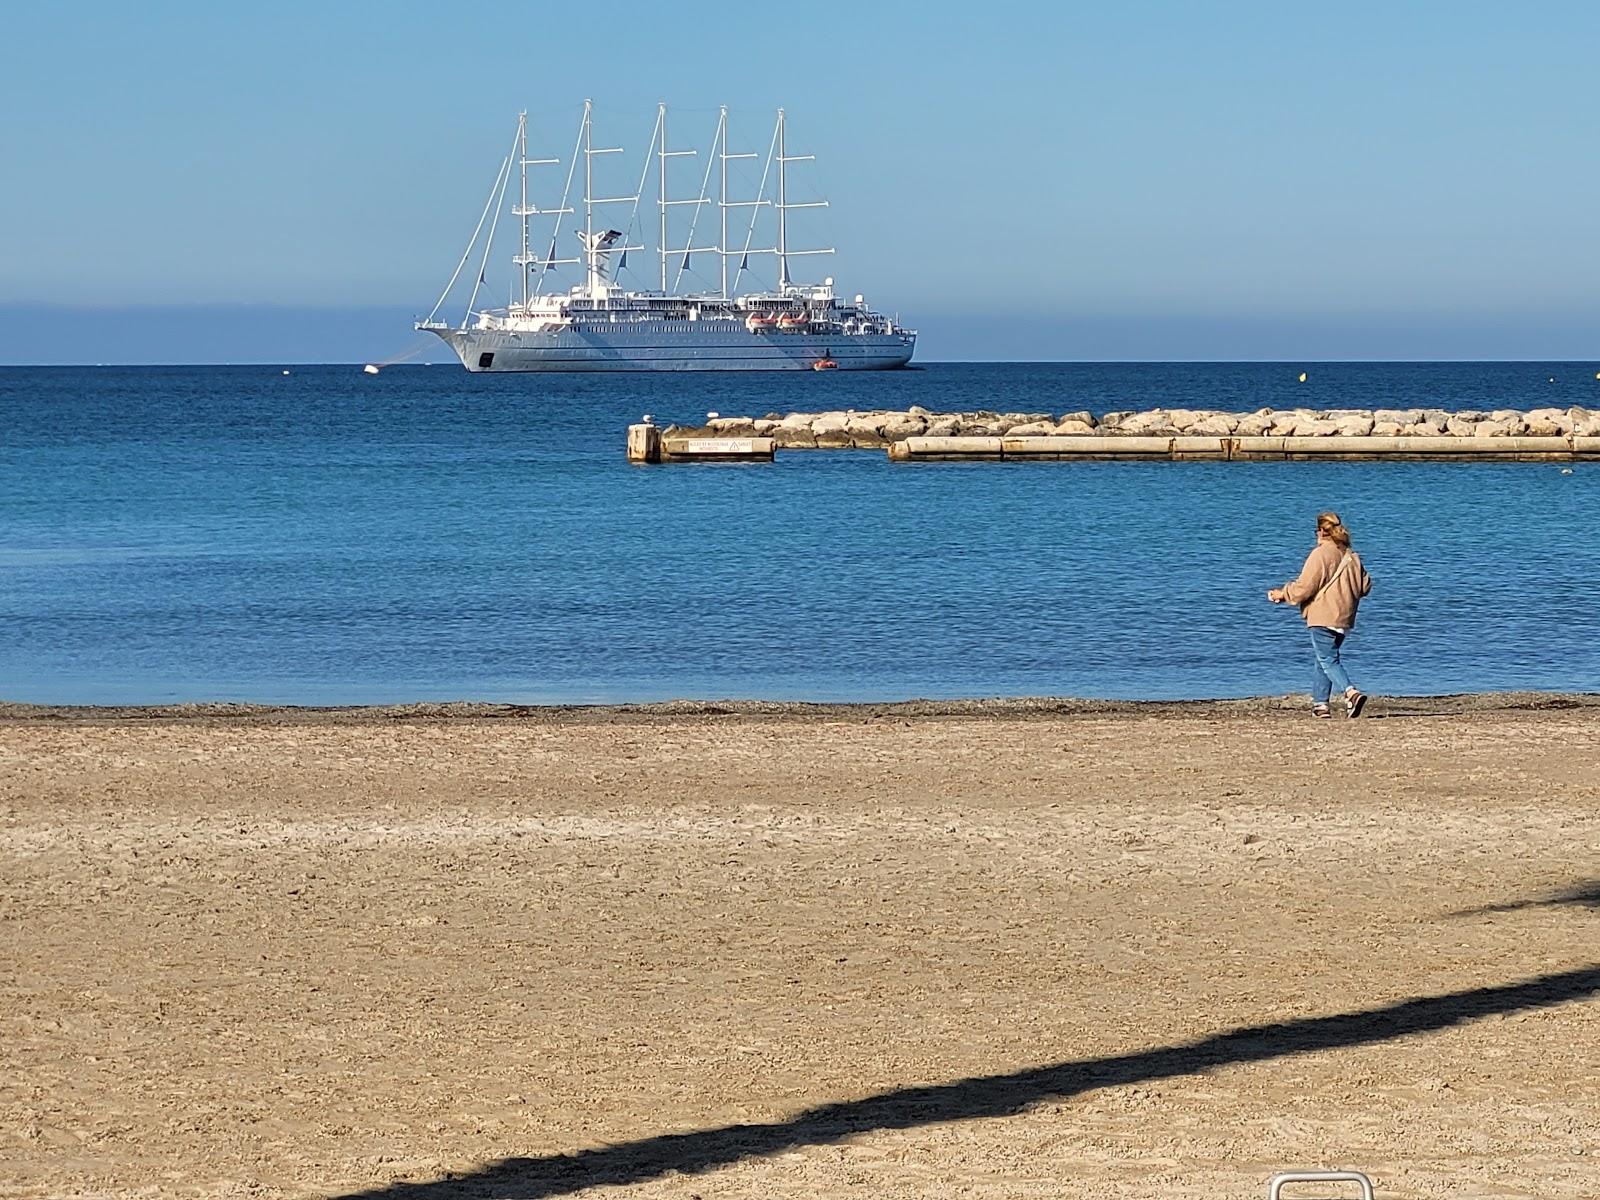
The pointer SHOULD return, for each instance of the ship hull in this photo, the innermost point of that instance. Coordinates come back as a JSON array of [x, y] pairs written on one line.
[[684, 349]]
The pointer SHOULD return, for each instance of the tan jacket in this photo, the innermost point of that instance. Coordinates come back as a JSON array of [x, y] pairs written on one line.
[[1326, 595]]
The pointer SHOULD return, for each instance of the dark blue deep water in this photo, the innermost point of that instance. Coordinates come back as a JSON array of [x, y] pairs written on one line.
[[328, 537]]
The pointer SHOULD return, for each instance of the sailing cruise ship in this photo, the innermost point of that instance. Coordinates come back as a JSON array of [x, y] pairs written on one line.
[[598, 325]]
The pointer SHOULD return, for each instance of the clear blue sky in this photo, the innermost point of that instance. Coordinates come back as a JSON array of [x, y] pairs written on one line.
[[1138, 180]]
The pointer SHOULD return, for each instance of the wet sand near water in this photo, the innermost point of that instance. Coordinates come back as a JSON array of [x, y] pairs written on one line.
[[988, 949]]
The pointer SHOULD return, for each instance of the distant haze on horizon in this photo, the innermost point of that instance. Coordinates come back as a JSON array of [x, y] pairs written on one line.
[[274, 336], [192, 183]]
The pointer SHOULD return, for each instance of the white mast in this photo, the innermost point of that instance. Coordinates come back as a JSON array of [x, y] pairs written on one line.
[[588, 190], [661, 151], [783, 211], [722, 199], [725, 204], [719, 146], [784, 253], [524, 210], [661, 129], [522, 207], [597, 248]]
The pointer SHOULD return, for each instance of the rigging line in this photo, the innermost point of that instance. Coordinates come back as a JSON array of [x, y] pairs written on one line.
[[755, 209], [473, 241], [555, 231], [824, 189], [415, 350], [638, 192], [709, 283], [688, 242], [488, 243]]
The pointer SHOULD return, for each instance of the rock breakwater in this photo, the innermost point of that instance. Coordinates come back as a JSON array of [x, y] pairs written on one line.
[[852, 429]]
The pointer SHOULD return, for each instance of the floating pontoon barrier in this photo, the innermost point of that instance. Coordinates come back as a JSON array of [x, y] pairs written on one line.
[[646, 445], [1246, 449], [751, 449]]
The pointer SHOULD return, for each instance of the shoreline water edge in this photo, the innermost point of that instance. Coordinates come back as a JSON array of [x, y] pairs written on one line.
[[1007, 708]]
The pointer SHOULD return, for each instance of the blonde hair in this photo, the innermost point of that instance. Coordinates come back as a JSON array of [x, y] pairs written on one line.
[[1332, 528]]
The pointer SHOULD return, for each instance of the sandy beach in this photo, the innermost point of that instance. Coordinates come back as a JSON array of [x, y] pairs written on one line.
[[987, 950]]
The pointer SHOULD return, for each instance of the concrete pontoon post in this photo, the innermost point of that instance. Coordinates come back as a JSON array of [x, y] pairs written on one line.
[[644, 443]]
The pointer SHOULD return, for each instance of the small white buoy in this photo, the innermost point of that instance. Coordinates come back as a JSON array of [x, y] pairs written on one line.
[[369, 369], [711, 416], [1552, 379], [1302, 376], [1566, 470], [286, 372]]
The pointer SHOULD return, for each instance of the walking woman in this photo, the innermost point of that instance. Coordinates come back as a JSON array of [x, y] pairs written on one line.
[[1328, 592]]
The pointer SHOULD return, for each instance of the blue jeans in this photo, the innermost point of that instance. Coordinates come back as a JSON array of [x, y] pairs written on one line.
[[1327, 672]]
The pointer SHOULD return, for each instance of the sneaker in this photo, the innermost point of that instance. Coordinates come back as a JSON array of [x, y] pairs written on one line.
[[1356, 702]]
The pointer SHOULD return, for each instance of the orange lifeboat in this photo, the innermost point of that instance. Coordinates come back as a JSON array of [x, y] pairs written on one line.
[[756, 322], [824, 364], [793, 321]]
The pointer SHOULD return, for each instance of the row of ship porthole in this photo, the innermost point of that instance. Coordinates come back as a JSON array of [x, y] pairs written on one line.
[[678, 327]]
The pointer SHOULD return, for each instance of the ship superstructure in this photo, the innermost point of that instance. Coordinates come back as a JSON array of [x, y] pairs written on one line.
[[599, 325]]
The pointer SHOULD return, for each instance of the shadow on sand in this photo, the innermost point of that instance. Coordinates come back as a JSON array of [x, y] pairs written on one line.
[[986, 1095], [1583, 895]]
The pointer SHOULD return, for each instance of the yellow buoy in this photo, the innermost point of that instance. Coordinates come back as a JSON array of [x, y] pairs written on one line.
[[1303, 376]]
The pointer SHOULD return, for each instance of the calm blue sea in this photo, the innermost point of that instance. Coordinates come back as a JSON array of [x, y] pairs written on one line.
[[326, 537]]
